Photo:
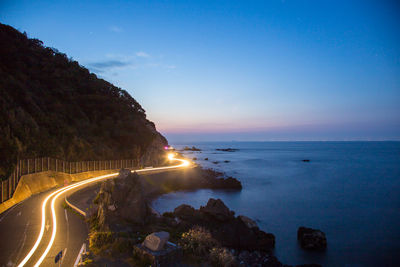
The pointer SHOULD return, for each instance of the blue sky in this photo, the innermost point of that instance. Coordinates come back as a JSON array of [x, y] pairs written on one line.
[[237, 70]]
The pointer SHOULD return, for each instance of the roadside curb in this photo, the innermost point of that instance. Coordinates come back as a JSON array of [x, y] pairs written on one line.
[[75, 207]]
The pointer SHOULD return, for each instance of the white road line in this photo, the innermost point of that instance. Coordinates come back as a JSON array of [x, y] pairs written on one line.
[[66, 218], [9, 210], [23, 242], [64, 253], [78, 259], [53, 196]]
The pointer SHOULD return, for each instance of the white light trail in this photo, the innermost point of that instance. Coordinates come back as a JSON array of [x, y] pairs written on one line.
[[59, 192]]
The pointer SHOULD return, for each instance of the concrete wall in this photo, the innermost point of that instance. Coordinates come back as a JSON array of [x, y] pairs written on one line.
[[31, 184]]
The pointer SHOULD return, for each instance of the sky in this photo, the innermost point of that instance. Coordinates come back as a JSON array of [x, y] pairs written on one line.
[[237, 70]]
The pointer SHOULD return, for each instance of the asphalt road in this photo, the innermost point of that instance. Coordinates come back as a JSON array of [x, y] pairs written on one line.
[[20, 227]]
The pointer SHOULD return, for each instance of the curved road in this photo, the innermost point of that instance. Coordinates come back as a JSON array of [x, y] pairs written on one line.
[[35, 230]]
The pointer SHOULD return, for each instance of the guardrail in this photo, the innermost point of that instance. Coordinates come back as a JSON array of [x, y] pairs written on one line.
[[29, 166]]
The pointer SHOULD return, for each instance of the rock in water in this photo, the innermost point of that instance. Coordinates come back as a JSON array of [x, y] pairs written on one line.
[[312, 239], [217, 209], [156, 241], [249, 222], [184, 212]]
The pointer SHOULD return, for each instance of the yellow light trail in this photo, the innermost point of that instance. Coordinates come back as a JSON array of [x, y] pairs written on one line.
[[59, 192]]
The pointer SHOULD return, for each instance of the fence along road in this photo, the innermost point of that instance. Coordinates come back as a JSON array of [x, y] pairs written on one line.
[[45, 240], [36, 165]]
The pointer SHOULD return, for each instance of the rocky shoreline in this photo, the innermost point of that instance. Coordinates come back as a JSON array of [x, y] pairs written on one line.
[[122, 217]]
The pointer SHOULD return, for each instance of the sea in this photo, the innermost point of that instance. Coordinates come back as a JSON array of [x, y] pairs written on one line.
[[349, 190]]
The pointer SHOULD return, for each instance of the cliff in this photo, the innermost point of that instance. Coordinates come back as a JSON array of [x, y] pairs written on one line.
[[52, 106]]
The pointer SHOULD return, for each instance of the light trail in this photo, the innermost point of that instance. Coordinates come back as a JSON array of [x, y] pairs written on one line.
[[59, 192]]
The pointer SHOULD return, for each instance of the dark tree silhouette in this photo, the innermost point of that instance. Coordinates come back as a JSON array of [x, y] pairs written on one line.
[[52, 106]]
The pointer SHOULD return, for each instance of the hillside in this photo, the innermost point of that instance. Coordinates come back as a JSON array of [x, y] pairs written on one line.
[[52, 106]]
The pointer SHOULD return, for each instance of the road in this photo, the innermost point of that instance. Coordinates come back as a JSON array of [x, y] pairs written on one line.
[[35, 230]]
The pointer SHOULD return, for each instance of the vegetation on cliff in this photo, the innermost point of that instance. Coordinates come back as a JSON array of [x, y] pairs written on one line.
[[52, 106]]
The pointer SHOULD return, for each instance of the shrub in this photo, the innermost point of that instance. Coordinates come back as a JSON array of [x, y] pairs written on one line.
[[140, 259], [222, 257], [168, 214], [197, 241], [99, 241]]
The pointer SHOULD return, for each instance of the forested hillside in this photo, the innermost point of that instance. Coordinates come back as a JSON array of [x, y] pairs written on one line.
[[52, 106]]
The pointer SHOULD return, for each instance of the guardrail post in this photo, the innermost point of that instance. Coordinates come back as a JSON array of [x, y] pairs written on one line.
[[9, 188], [17, 169]]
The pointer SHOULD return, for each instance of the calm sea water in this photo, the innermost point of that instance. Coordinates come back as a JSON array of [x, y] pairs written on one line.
[[349, 190]]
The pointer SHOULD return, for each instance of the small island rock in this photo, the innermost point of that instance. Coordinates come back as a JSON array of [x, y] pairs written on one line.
[[311, 239]]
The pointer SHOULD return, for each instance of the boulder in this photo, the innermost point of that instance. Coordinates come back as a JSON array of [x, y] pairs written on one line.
[[217, 209], [311, 239], [249, 222], [170, 256], [156, 241], [184, 212]]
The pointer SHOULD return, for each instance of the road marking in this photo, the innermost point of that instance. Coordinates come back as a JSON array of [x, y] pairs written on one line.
[[53, 196], [23, 242], [9, 210], [66, 218], [65, 253], [47, 226], [79, 258]]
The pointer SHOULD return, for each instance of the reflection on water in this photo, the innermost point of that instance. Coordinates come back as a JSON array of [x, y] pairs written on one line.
[[349, 190]]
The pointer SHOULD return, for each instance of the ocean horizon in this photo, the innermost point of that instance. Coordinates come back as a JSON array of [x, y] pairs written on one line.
[[349, 189]]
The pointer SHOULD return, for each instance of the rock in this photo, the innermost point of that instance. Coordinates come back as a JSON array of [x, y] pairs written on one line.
[[186, 148], [194, 158], [249, 222], [156, 241], [305, 160], [311, 239], [206, 159], [309, 265], [227, 161], [230, 231], [227, 149], [154, 154], [217, 209], [121, 198], [215, 162], [184, 212], [170, 256]]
